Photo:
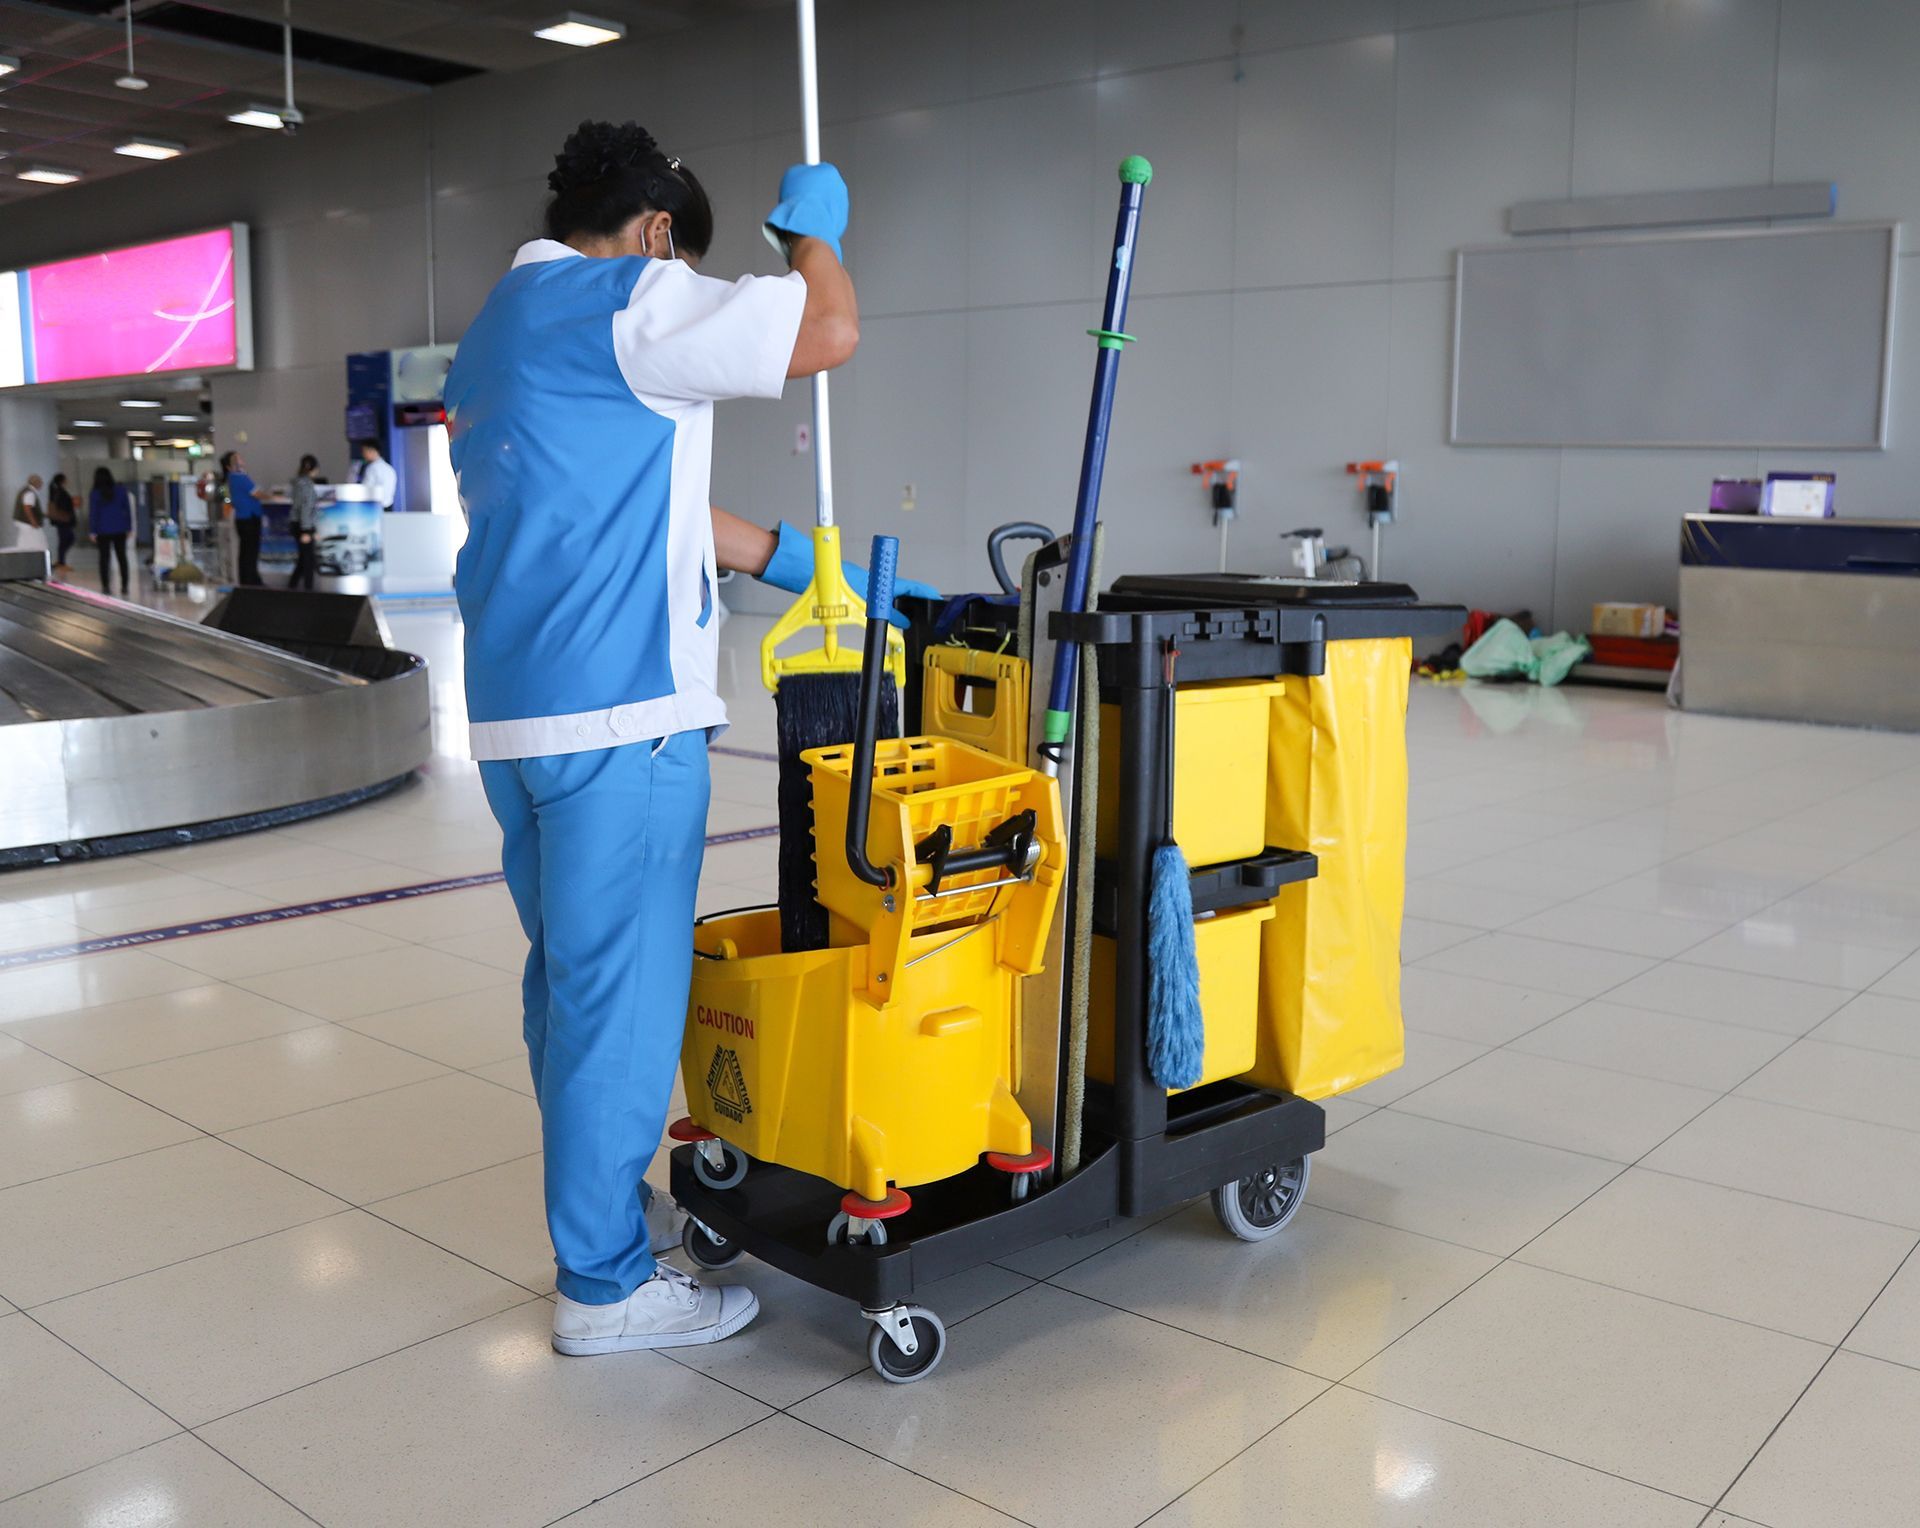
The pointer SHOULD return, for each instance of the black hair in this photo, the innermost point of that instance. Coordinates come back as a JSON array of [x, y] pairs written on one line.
[[308, 463], [59, 480], [367, 443], [226, 462], [103, 480], [605, 176]]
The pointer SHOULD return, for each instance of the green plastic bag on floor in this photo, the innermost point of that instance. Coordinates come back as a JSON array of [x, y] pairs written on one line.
[[1504, 651], [1555, 656]]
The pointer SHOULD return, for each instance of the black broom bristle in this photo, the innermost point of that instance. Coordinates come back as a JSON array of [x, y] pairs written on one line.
[[813, 711]]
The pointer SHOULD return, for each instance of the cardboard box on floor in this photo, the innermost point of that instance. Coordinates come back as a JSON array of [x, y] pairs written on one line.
[[1618, 620]]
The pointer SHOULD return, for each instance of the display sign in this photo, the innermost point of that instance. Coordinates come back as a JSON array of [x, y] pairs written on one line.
[[180, 304]]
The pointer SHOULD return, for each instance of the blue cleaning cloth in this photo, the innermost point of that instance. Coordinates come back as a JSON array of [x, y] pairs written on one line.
[[813, 202]]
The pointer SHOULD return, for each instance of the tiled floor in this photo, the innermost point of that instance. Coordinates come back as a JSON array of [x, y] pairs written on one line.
[[1629, 1240]]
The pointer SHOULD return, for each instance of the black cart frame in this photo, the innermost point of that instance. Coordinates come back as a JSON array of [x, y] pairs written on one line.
[[1143, 1150]]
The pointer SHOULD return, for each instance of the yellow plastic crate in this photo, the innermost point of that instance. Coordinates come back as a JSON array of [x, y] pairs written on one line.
[[1228, 948], [784, 1060], [978, 698], [921, 783], [1219, 769]]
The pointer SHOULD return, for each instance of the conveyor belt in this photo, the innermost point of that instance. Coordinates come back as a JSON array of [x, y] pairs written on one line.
[[117, 723], [65, 655]]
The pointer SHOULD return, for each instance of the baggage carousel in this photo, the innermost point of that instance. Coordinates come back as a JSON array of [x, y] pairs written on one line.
[[124, 729]]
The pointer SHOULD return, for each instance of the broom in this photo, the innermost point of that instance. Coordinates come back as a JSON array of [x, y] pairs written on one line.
[[816, 693]]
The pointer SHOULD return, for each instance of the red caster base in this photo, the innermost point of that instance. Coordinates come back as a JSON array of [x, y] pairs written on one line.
[[864, 1220], [1023, 1171], [684, 1129]]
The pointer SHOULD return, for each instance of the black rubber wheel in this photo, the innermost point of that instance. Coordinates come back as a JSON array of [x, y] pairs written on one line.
[[1262, 1203], [895, 1367], [706, 1249], [838, 1234], [728, 1177]]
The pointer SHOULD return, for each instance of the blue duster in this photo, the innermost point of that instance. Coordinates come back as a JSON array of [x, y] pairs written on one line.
[[1176, 1031]]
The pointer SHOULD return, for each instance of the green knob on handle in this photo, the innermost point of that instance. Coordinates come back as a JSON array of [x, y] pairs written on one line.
[[1135, 171]]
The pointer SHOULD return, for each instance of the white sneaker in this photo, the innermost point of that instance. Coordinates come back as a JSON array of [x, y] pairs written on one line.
[[670, 1310], [665, 1221]]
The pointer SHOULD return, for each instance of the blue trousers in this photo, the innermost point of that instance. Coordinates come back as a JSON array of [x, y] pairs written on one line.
[[602, 854]]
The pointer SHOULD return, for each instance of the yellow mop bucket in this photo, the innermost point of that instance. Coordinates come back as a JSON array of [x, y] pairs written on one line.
[[785, 1061]]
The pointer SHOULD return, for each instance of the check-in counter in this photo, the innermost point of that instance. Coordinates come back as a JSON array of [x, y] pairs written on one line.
[[1801, 620]]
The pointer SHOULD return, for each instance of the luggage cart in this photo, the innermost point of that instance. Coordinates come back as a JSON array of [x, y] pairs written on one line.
[[1144, 1150]]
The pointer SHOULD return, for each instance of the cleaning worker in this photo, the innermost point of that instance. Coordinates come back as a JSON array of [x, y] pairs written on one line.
[[580, 411]]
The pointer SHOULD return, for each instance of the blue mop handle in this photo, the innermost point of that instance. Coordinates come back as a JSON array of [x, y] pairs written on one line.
[[1111, 338], [880, 578]]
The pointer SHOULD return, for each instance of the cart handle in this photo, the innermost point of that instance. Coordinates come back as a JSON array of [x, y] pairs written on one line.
[[1014, 530]]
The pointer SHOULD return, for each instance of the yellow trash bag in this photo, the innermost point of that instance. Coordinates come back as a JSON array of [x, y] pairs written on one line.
[[1330, 958]]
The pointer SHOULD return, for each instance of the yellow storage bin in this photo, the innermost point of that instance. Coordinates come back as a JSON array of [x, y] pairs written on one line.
[[783, 1060], [1337, 785], [1219, 770], [978, 698], [1228, 947], [922, 783]]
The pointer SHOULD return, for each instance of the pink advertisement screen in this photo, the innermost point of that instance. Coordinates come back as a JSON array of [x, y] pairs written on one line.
[[156, 307]]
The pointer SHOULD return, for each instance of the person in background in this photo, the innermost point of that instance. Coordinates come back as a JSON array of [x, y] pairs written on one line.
[[109, 520], [246, 517], [63, 518], [29, 516], [303, 517], [375, 472]]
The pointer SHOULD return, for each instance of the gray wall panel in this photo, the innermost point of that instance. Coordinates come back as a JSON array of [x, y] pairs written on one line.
[[1666, 96], [1847, 104], [1482, 117], [1315, 166], [1307, 398], [911, 231], [1183, 121], [1029, 167]]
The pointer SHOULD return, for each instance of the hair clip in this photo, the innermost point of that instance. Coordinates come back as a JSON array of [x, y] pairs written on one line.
[[674, 165]]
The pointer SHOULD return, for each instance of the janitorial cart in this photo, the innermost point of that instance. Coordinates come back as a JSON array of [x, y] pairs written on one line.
[[1087, 943]]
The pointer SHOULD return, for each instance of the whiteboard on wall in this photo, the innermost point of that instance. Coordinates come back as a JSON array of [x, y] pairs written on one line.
[[1769, 338]]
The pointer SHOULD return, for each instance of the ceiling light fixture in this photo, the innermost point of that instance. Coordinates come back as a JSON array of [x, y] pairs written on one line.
[[142, 403], [136, 432], [579, 31], [8, 63], [179, 418], [131, 79], [150, 148], [48, 175], [64, 436], [87, 424], [257, 115]]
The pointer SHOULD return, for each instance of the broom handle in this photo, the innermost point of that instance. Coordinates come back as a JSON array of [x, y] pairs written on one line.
[[810, 151], [1135, 172]]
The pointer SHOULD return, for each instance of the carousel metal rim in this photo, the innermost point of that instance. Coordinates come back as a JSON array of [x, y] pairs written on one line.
[[88, 778]]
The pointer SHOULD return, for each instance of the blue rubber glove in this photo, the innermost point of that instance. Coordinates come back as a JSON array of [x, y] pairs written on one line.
[[813, 202], [791, 568]]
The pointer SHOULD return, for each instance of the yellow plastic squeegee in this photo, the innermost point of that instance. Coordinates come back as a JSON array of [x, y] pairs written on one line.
[[830, 604]]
